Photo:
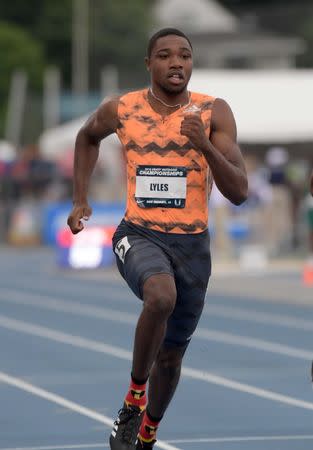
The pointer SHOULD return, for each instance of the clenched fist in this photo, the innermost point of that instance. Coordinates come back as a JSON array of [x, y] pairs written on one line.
[[79, 212], [193, 128]]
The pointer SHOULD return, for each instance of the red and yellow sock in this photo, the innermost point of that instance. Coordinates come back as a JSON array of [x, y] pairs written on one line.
[[136, 394], [148, 428]]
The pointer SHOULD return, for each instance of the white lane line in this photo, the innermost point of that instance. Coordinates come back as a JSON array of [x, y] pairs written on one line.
[[64, 338], [201, 375], [53, 304], [250, 342], [246, 388], [42, 393], [303, 437], [102, 295], [30, 388], [60, 447], [232, 313], [68, 306], [179, 441]]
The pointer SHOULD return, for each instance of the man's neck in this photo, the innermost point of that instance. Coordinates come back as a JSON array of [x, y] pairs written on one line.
[[167, 104]]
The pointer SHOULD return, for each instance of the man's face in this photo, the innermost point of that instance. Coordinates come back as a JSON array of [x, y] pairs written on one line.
[[170, 63]]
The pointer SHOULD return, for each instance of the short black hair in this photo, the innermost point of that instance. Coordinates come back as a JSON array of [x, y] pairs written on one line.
[[162, 33]]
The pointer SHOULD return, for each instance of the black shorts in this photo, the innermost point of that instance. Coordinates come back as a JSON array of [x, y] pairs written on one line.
[[141, 252]]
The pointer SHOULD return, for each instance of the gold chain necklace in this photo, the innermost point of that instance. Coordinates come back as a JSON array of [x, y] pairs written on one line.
[[180, 105]]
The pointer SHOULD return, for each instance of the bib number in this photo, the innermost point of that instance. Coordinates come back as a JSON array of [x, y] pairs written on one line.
[[122, 248]]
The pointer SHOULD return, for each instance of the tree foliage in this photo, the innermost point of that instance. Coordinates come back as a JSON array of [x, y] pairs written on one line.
[[306, 31], [119, 32], [49, 23], [19, 51], [38, 33], [118, 29]]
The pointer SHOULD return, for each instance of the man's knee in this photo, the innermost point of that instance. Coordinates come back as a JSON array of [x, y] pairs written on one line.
[[159, 294]]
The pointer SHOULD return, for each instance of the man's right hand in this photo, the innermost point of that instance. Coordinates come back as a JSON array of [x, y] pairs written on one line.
[[79, 212]]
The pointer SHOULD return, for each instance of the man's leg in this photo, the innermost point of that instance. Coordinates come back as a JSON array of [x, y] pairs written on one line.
[[192, 268], [163, 380], [159, 297]]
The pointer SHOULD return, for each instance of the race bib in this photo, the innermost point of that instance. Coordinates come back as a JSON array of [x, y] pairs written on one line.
[[122, 248], [161, 186]]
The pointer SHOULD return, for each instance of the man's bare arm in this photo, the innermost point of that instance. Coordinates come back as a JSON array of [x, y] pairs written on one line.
[[100, 124], [221, 150], [227, 165]]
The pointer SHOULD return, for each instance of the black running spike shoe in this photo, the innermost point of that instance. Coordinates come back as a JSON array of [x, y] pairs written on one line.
[[125, 428]]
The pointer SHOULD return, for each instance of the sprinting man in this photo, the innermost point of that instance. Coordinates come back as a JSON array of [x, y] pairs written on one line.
[[176, 143]]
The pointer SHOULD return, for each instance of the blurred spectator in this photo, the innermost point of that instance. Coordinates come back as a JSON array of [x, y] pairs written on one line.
[[7, 155], [235, 226], [219, 216], [7, 152], [30, 173], [308, 266], [29, 177], [279, 210], [309, 209], [259, 198], [297, 173], [309, 204]]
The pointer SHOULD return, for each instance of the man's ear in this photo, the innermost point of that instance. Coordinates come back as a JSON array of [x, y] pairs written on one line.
[[147, 63]]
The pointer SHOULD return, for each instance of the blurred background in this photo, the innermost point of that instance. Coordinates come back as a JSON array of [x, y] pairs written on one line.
[[60, 59]]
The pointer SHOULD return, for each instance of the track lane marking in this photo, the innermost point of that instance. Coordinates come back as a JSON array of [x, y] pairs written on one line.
[[54, 398], [303, 437], [239, 313], [118, 352], [95, 312], [254, 343], [60, 447]]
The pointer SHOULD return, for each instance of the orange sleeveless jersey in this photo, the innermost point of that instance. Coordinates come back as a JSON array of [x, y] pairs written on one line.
[[168, 181]]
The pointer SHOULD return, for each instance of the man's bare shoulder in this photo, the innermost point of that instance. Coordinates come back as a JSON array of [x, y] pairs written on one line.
[[109, 107], [104, 121], [222, 115], [221, 106]]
